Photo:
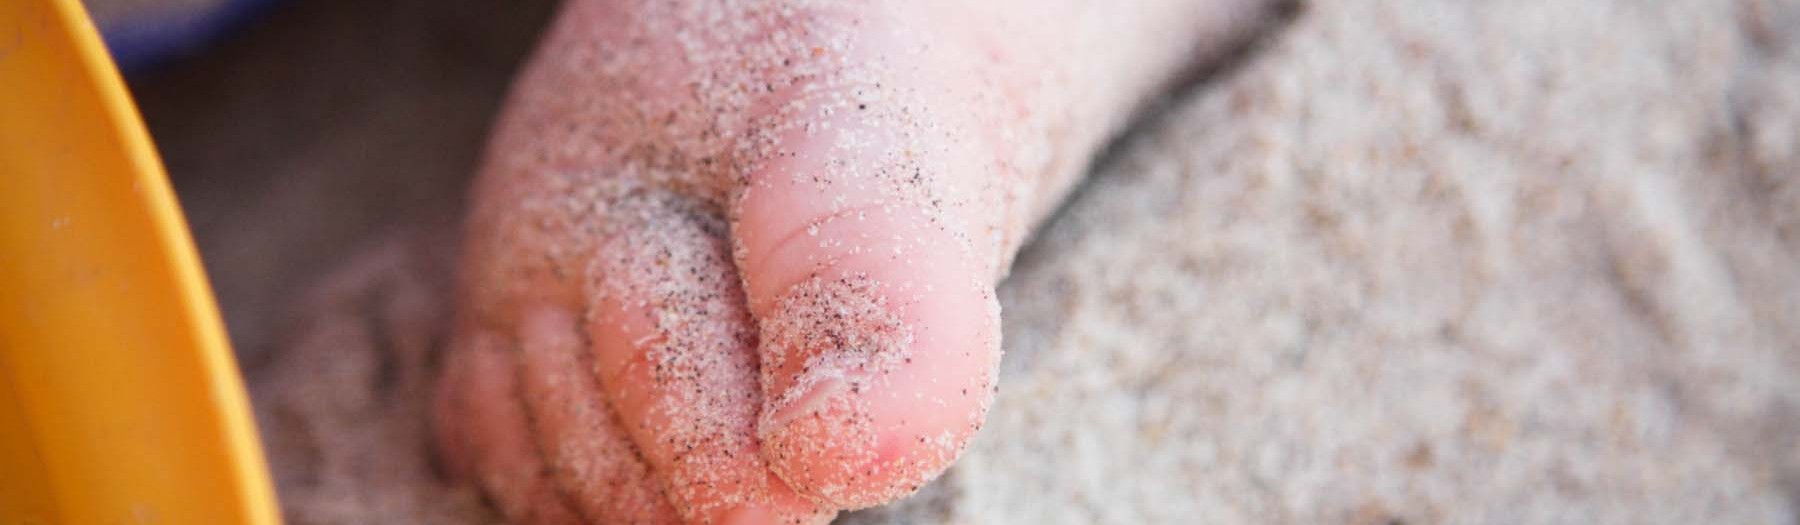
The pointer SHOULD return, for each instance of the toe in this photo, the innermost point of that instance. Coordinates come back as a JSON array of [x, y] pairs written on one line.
[[483, 429], [593, 459], [874, 300], [674, 347]]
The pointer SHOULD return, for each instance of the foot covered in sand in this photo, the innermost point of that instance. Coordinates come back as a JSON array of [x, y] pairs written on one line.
[[735, 261]]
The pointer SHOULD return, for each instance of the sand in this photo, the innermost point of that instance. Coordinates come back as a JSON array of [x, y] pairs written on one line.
[[1425, 263], [1402, 262]]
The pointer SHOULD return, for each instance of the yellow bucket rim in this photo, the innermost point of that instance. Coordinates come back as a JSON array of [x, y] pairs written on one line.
[[120, 399]]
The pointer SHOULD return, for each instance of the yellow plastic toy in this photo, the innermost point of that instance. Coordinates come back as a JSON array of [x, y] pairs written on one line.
[[119, 398]]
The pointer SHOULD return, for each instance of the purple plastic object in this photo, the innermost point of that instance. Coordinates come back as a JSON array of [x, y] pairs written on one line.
[[143, 42]]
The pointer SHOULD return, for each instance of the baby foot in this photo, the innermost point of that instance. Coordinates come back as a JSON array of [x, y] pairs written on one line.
[[735, 261]]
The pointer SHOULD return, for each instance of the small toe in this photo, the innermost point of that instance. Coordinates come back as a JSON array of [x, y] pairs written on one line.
[[482, 426], [675, 352], [594, 460]]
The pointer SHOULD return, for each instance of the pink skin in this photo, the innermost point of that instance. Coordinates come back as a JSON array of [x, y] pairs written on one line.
[[497, 453], [741, 268]]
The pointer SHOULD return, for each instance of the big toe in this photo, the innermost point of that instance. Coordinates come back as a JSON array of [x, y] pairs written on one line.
[[878, 326]]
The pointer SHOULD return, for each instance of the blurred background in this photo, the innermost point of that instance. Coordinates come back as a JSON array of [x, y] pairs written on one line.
[[1388, 262]]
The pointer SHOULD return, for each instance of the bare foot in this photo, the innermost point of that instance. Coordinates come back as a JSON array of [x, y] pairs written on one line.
[[735, 261]]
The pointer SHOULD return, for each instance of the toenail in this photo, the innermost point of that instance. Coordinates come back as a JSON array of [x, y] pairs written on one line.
[[801, 400], [747, 516], [839, 330]]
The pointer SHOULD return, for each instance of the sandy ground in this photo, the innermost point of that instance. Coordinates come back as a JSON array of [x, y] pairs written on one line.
[[1402, 262]]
